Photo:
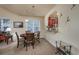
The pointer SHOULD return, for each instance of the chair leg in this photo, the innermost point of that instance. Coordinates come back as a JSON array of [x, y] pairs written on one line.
[[7, 41], [32, 45], [26, 47], [24, 43], [39, 40], [17, 45]]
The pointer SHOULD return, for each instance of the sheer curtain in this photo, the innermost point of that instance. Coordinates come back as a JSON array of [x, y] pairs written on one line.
[[4, 24], [33, 25]]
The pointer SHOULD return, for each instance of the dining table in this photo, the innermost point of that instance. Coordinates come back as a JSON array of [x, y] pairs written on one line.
[[9, 37], [25, 35]]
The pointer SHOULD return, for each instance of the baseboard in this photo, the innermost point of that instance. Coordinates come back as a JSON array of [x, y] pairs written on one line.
[[50, 42]]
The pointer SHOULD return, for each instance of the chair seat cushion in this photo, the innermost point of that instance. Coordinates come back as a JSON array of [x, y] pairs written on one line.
[[2, 37]]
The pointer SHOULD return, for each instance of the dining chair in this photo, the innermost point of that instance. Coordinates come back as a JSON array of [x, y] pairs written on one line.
[[29, 40], [19, 40], [37, 36]]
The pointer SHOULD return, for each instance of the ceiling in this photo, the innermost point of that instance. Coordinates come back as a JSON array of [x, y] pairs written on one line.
[[28, 9]]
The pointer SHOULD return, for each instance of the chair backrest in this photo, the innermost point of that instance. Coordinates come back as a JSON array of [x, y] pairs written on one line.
[[37, 35], [17, 36], [30, 36]]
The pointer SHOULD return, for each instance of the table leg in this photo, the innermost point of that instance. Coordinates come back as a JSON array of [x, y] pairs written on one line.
[[12, 38], [7, 41]]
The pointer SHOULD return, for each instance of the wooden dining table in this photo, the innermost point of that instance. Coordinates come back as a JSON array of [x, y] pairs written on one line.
[[25, 35], [9, 37]]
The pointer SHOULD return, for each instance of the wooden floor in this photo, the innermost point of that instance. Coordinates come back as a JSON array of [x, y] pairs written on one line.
[[42, 48]]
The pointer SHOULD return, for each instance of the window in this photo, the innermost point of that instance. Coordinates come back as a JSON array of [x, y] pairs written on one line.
[[4, 24], [33, 25]]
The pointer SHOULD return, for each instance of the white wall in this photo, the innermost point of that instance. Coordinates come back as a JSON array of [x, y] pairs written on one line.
[[68, 32]]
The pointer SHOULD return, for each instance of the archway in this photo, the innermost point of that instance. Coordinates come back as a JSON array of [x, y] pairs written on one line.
[[52, 22]]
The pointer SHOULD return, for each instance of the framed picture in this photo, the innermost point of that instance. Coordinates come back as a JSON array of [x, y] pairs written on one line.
[[18, 24]]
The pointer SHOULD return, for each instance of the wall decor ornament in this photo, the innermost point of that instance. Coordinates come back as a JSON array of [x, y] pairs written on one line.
[[68, 19]]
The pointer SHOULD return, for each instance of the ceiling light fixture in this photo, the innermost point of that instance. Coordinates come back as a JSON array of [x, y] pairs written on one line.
[[26, 20]]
